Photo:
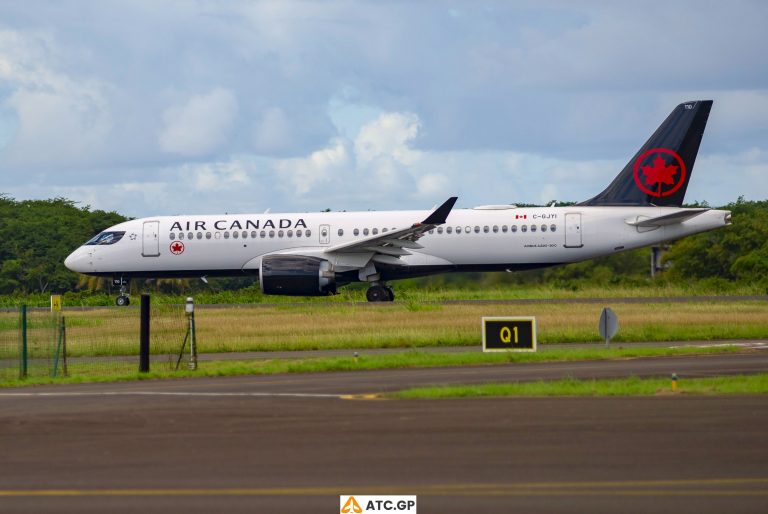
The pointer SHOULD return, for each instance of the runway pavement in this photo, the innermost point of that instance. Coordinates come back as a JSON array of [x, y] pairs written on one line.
[[290, 443]]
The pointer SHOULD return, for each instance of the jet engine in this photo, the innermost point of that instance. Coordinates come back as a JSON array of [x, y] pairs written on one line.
[[296, 275]]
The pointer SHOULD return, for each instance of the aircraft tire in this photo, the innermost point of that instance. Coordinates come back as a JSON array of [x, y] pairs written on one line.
[[377, 293], [122, 301]]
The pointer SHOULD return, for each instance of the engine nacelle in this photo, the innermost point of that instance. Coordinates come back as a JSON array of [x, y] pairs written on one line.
[[296, 275]]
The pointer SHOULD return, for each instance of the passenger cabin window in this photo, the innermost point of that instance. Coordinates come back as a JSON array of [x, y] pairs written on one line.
[[365, 231], [341, 232], [262, 234], [477, 229], [504, 228], [308, 233], [553, 227], [235, 234], [533, 228], [439, 230], [181, 235], [524, 228], [105, 238], [356, 232], [495, 229], [375, 231], [199, 235], [514, 228], [271, 233], [290, 233], [226, 235], [207, 235], [280, 233], [298, 233], [172, 236], [543, 228], [448, 230], [253, 234], [458, 230]]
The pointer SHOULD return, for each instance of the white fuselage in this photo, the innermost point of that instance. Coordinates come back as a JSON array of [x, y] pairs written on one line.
[[485, 238]]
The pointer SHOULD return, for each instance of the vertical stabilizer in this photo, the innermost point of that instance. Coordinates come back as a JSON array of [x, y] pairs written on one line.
[[659, 172]]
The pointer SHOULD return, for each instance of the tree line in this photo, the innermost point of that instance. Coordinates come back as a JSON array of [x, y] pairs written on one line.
[[37, 235]]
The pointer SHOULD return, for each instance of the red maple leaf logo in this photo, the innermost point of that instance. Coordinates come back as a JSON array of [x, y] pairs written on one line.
[[660, 172], [177, 248]]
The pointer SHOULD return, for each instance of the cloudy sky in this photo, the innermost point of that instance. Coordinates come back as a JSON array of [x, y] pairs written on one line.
[[169, 107]]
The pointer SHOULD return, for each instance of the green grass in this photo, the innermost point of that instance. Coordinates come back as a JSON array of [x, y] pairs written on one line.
[[114, 331], [409, 359], [633, 386], [410, 292]]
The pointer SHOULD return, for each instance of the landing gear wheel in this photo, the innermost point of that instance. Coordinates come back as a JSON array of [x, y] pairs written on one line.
[[377, 293], [390, 293], [122, 301]]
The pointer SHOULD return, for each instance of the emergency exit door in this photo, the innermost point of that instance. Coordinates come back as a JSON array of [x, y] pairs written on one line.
[[325, 234], [573, 230], [151, 239]]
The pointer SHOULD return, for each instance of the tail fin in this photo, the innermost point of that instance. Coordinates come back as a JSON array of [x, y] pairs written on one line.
[[659, 172]]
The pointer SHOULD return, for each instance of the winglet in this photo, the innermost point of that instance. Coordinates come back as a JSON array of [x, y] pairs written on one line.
[[440, 214]]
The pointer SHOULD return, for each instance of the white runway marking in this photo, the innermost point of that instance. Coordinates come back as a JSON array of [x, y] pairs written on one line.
[[165, 393]]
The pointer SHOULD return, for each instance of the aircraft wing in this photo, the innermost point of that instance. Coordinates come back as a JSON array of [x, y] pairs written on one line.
[[388, 247]]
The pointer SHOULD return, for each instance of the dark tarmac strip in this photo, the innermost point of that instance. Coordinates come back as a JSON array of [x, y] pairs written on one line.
[[221, 445]]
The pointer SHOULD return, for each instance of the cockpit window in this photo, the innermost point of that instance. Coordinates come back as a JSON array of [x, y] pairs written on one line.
[[106, 238]]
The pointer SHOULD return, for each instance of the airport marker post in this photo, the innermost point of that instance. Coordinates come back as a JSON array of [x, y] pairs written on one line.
[[23, 360], [190, 310], [144, 335]]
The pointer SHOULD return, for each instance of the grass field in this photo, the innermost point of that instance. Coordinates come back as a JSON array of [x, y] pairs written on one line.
[[114, 331], [633, 386], [408, 359]]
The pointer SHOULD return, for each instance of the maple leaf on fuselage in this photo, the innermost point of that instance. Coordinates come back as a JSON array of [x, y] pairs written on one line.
[[660, 172]]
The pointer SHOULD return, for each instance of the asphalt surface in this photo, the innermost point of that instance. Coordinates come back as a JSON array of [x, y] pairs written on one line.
[[293, 443]]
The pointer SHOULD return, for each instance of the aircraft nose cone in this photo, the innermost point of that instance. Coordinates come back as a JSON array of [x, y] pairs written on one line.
[[77, 261]]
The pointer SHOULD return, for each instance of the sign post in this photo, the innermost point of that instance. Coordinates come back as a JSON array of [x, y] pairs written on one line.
[[609, 324], [509, 334]]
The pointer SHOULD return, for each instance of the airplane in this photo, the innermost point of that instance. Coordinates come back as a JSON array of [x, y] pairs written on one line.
[[313, 254]]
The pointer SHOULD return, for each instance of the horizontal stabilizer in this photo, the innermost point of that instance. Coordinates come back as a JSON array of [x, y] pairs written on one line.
[[667, 219]]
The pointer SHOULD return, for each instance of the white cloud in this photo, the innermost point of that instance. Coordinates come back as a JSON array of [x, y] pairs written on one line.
[[217, 176], [389, 138], [433, 184], [199, 125], [306, 173], [272, 133], [60, 119]]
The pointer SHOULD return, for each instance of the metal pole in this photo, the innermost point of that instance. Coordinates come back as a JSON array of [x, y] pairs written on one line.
[[192, 343], [23, 362], [144, 335], [63, 346], [59, 341]]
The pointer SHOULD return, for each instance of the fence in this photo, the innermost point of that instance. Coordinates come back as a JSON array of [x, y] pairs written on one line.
[[87, 342]]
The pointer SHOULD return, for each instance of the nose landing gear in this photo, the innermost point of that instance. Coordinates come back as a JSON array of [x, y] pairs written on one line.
[[380, 292], [123, 299]]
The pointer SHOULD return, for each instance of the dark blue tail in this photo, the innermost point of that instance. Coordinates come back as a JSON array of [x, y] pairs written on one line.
[[659, 172]]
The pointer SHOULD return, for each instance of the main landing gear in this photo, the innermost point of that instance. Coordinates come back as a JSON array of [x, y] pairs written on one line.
[[380, 293]]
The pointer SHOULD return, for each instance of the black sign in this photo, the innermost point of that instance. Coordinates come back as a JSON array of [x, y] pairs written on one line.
[[509, 334]]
